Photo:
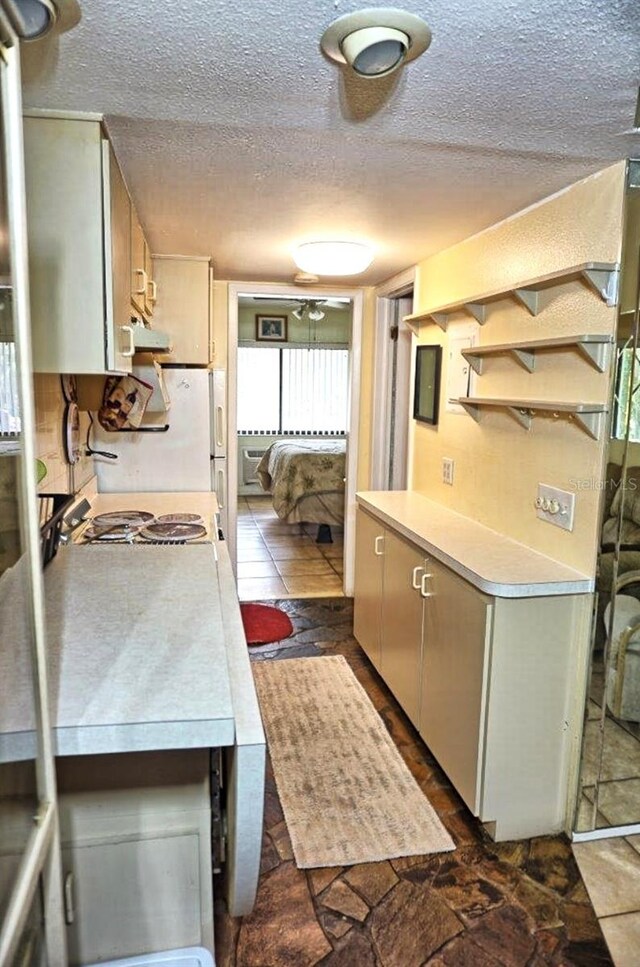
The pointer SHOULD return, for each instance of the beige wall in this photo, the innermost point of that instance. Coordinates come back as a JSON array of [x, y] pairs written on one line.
[[498, 464], [49, 412]]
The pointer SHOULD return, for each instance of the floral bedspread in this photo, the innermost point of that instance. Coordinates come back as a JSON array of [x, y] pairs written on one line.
[[294, 470]]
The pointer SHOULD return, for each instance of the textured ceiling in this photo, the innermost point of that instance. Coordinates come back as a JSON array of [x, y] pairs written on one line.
[[238, 139]]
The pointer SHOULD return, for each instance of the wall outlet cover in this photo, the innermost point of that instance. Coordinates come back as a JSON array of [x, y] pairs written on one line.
[[447, 470], [555, 506]]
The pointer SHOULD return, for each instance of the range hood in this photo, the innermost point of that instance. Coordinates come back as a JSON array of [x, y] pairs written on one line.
[[147, 340]]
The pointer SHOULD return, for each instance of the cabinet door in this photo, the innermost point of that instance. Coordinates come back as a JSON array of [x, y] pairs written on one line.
[[184, 308], [457, 631], [401, 649], [119, 348], [139, 277], [132, 897], [368, 584]]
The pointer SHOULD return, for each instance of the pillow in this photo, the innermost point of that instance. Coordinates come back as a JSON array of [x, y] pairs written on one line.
[[612, 485]]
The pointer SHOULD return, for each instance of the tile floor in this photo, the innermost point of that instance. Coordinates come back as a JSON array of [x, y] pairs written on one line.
[[279, 560], [518, 904], [611, 872]]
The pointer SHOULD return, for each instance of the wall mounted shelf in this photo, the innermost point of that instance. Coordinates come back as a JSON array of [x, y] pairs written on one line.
[[602, 277], [594, 348], [588, 416]]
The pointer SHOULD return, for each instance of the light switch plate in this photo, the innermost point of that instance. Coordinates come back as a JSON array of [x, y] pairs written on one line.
[[555, 506], [447, 470]]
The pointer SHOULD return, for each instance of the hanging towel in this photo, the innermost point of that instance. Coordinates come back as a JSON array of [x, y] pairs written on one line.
[[124, 401]]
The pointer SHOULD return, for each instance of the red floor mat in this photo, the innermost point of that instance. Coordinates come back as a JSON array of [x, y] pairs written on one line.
[[264, 623]]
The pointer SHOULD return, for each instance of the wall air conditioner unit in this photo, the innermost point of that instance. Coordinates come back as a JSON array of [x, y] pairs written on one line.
[[250, 460]]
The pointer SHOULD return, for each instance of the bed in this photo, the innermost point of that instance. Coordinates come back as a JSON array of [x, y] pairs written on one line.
[[306, 480]]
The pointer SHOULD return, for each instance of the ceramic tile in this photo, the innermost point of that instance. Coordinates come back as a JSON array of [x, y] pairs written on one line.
[[245, 555], [292, 553], [257, 569], [260, 589], [309, 566], [635, 842], [621, 752], [301, 584], [619, 802], [622, 934], [610, 869]]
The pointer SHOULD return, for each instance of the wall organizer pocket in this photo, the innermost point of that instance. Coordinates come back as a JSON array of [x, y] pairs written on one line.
[[601, 277], [596, 349], [589, 417]]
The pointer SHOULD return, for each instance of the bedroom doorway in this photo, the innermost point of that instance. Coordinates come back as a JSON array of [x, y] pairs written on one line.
[[293, 408]]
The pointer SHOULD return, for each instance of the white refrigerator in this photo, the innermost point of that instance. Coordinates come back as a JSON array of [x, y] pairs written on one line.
[[189, 455]]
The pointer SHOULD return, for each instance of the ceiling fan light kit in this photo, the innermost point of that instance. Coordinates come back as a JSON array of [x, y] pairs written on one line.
[[376, 41], [333, 258]]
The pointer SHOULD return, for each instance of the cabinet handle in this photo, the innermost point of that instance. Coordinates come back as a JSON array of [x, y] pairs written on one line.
[[132, 346], [415, 583], [142, 290], [219, 426], [69, 906], [376, 546], [154, 290], [220, 490], [423, 586]]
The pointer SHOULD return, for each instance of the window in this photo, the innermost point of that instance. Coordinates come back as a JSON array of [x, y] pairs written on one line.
[[293, 390], [627, 398]]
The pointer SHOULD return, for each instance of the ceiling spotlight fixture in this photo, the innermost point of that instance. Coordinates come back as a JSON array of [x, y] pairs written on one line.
[[333, 258], [376, 41], [32, 19]]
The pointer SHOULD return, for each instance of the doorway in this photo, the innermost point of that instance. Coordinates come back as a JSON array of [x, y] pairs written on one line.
[[393, 384], [294, 375]]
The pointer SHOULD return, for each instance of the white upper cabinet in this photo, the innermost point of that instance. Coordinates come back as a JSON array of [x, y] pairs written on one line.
[[79, 239]]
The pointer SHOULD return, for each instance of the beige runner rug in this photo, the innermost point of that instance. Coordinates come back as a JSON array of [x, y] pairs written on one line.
[[346, 794]]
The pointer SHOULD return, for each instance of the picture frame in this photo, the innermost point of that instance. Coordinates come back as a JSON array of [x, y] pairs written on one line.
[[271, 328], [426, 397]]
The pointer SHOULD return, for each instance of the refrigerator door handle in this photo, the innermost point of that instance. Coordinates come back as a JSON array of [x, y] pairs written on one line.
[[220, 426], [221, 489]]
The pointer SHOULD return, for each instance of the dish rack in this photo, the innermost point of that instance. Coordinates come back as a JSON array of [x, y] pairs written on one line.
[[53, 507]]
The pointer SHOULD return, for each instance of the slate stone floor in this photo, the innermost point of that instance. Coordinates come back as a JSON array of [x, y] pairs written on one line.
[[518, 904]]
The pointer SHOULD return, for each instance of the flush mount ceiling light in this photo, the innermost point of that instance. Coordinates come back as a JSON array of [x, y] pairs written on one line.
[[32, 19], [333, 258], [376, 41]]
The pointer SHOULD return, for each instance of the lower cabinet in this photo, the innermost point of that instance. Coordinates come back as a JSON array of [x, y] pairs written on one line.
[[405, 571], [136, 854], [368, 592], [487, 681], [457, 645]]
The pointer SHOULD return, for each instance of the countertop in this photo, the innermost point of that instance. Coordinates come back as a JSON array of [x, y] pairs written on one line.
[[492, 562], [137, 655]]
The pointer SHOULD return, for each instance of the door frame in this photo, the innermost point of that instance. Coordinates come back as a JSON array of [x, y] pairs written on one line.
[[385, 294], [289, 291]]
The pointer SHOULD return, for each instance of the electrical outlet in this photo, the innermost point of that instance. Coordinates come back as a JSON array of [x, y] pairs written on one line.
[[555, 506], [447, 471]]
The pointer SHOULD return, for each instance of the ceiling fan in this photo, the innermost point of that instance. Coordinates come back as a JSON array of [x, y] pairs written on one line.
[[311, 308]]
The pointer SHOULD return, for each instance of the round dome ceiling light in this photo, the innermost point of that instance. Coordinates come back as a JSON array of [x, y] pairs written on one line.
[[333, 258], [376, 41]]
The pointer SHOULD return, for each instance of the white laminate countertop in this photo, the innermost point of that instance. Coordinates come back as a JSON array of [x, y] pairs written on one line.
[[492, 562], [137, 651]]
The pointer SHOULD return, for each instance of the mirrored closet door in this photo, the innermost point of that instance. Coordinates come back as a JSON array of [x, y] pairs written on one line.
[[609, 795], [31, 929]]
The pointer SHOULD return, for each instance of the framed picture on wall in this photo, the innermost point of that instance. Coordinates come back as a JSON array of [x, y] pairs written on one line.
[[427, 386], [271, 328]]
